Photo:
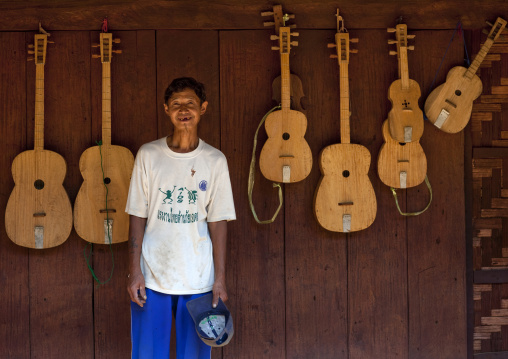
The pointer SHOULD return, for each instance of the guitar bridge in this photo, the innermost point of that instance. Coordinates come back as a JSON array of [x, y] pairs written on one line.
[[109, 210], [345, 203], [108, 231], [40, 214], [441, 119]]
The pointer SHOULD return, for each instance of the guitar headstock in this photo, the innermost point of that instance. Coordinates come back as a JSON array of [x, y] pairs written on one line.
[[496, 29], [106, 47], [342, 41], [401, 39], [38, 48], [282, 29]]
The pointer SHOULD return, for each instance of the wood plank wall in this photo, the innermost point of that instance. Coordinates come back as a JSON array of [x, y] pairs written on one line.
[[394, 290]]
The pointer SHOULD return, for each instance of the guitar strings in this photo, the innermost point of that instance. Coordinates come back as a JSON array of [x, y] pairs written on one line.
[[88, 257]]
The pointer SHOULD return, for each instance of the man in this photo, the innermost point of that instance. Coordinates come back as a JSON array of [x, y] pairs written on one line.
[[179, 202]]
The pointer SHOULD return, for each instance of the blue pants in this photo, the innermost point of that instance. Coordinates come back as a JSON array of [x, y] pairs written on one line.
[[151, 328]]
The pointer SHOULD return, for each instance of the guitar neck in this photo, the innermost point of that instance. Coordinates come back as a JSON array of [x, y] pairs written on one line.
[[39, 107], [479, 59], [285, 87], [404, 68], [106, 103], [344, 104]]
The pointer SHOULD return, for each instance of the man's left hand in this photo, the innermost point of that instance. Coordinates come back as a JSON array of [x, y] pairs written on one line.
[[219, 291]]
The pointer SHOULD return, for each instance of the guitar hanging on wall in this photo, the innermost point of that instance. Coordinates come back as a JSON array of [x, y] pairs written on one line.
[[39, 213], [286, 156], [405, 118], [449, 105], [344, 200], [99, 215]]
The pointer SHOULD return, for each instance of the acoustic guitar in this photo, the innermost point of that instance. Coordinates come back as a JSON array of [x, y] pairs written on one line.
[[38, 213], [99, 210], [405, 118], [449, 105], [286, 156], [401, 164], [344, 200]]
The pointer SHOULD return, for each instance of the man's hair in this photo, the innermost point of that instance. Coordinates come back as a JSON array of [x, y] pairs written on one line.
[[182, 83]]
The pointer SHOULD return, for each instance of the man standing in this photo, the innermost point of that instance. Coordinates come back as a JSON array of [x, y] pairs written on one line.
[[179, 202]]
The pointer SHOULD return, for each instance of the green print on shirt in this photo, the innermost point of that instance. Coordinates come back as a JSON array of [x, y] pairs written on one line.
[[168, 195]]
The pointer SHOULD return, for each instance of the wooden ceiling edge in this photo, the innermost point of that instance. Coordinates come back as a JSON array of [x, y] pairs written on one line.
[[241, 14]]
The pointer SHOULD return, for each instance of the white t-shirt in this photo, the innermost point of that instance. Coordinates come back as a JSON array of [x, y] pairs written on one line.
[[179, 193]]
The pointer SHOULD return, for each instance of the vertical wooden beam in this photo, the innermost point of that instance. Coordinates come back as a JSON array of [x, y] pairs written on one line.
[[134, 122], [436, 239], [13, 259], [256, 254], [377, 256], [316, 259]]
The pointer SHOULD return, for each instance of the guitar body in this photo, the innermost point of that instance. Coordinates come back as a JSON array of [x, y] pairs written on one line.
[[345, 188], [454, 97], [38, 218], [90, 212], [399, 164], [278, 152], [405, 112]]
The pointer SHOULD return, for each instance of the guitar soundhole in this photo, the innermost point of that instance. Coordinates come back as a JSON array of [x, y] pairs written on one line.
[[458, 93], [285, 136], [345, 173], [39, 184], [107, 180]]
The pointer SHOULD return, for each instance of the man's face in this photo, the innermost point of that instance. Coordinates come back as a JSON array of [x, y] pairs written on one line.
[[184, 109]]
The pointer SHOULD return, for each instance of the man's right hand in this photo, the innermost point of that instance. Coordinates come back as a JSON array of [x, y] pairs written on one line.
[[136, 289]]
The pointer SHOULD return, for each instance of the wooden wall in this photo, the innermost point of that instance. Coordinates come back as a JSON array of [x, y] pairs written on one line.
[[394, 290]]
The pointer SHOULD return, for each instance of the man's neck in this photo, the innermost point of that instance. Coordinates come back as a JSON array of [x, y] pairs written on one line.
[[182, 142]]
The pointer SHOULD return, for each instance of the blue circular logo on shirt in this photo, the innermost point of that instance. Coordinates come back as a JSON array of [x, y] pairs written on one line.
[[202, 185]]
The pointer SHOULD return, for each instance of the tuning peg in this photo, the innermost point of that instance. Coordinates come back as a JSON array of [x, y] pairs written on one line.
[[266, 13], [274, 37], [269, 23], [117, 51], [292, 26], [355, 40], [294, 43], [31, 52], [331, 46], [275, 48], [391, 29], [117, 41], [391, 42], [393, 52], [411, 36], [95, 56], [295, 34], [50, 42], [31, 46], [353, 51], [95, 45], [410, 47], [333, 56], [30, 59]]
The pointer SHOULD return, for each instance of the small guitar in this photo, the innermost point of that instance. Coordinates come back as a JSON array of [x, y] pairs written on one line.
[[405, 118], [99, 210], [344, 200], [286, 156], [449, 105], [38, 213], [400, 164]]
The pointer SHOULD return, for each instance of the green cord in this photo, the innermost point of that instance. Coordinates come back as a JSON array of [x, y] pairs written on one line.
[[413, 213], [88, 257]]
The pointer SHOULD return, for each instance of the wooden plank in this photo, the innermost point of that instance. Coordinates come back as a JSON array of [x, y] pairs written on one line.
[[499, 203], [499, 90], [481, 116], [492, 223], [322, 270], [489, 152], [491, 276], [491, 213], [256, 251], [487, 329], [15, 323], [491, 355], [133, 94], [486, 107], [437, 281], [158, 14], [60, 285]]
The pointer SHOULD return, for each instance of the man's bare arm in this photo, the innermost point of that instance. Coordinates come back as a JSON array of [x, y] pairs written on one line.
[[218, 234], [136, 286]]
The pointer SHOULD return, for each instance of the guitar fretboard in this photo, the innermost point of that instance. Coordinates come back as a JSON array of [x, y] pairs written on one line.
[[39, 107], [106, 103], [284, 67], [344, 104]]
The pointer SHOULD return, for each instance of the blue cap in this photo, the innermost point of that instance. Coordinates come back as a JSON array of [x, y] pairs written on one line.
[[213, 325]]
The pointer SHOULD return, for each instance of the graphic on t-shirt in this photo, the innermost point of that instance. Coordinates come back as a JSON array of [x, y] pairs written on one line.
[[168, 194]]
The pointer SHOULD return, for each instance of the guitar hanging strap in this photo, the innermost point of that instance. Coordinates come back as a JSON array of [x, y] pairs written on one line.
[[251, 175], [413, 213]]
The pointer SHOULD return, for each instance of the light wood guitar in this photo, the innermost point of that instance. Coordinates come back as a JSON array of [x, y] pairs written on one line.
[[344, 200], [99, 210], [400, 164], [405, 118], [38, 213], [449, 105], [286, 156]]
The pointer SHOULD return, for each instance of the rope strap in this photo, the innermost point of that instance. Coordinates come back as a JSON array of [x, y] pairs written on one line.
[[251, 175], [414, 213]]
